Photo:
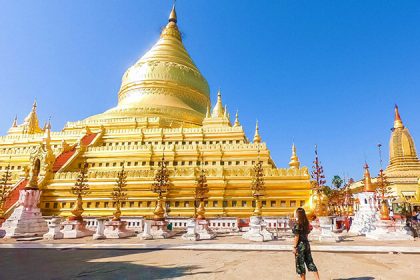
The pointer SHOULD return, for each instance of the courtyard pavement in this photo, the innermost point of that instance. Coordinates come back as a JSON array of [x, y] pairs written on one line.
[[227, 257]]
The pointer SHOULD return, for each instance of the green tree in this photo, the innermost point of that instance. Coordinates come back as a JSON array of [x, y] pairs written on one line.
[[337, 182]]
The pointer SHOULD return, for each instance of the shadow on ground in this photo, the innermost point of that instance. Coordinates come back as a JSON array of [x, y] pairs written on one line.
[[77, 264], [357, 278]]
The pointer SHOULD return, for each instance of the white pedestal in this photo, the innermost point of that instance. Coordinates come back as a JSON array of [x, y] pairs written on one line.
[[75, 229], [26, 219], [99, 233], [328, 232], [156, 230], [257, 230], [2, 232], [389, 230], [203, 230], [117, 229], [54, 230], [316, 230], [367, 215], [191, 233]]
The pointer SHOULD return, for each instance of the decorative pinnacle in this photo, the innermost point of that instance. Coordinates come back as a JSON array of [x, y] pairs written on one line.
[[208, 111], [257, 137], [15, 122], [218, 110], [172, 15], [236, 120], [397, 119], [294, 160], [48, 126], [368, 180]]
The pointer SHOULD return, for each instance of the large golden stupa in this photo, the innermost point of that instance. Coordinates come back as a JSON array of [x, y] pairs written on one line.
[[163, 110], [403, 170]]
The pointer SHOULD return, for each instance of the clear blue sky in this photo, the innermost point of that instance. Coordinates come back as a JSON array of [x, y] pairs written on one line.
[[312, 72]]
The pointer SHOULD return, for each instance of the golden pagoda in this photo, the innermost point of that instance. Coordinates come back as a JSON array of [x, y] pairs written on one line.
[[403, 170], [163, 109]]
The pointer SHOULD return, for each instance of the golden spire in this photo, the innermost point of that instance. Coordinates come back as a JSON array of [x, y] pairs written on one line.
[[257, 137], [163, 83], [15, 122], [31, 123], [48, 126], [171, 29], [237, 123], [172, 15], [294, 160], [402, 149], [218, 110], [368, 186], [208, 112], [397, 119]]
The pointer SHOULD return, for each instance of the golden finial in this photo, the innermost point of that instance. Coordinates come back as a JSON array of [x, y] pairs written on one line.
[[172, 15], [218, 110], [397, 119], [31, 122], [208, 112], [294, 160], [49, 123], [15, 122], [236, 124], [368, 186], [257, 137]]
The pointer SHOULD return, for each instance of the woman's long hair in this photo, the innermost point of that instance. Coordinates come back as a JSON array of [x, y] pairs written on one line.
[[302, 220]]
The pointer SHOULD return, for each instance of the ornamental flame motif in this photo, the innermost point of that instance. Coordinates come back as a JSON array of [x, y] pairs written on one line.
[[5, 188], [119, 193], [80, 188], [161, 182], [257, 185]]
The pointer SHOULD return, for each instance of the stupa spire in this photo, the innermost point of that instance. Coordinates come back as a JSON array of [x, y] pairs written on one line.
[[294, 160], [237, 123], [172, 15], [15, 122], [397, 119], [218, 110], [208, 115], [31, 122], [368, 185], [257, 137]]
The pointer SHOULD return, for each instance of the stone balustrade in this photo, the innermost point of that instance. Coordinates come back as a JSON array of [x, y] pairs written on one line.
[[281, 225], [133, 223]]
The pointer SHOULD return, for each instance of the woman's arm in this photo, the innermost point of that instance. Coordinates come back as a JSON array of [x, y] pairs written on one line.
[[295, 244]]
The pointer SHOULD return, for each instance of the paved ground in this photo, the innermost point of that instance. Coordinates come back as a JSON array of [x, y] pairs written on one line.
[[165, 264], [214, 263]]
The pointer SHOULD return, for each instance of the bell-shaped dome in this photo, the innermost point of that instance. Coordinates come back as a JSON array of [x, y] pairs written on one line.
[[164, 83], [401, 145]]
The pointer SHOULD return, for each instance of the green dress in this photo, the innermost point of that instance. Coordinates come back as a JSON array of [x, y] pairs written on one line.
[[303, 251]]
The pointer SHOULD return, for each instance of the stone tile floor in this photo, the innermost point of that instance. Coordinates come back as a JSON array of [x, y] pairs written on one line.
[[169, 264]]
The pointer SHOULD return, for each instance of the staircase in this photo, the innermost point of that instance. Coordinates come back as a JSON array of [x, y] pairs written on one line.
[[14, 195], [62, 159], [66, 157]]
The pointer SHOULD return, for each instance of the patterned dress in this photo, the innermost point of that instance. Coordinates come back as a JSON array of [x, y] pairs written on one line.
[[303, 252]]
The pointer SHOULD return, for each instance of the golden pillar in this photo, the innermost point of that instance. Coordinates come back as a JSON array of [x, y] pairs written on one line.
[[80, 188], [160, 186], [257, 187], [119, 193]]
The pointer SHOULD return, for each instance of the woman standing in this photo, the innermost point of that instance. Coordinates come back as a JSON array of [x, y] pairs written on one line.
[[301, 249]]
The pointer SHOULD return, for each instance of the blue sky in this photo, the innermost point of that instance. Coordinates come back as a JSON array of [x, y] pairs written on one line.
[[312, 72]]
